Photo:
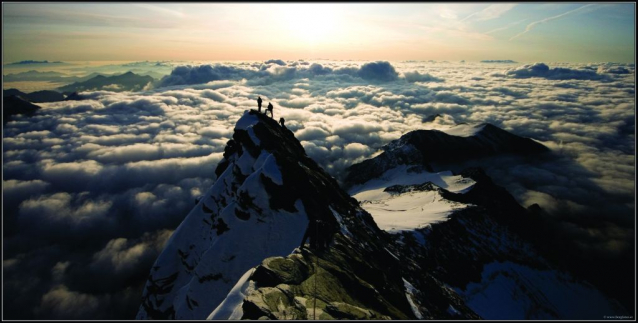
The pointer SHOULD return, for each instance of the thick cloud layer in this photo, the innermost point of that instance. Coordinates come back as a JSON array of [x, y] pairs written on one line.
[[202, 74], [93, 188], [277, 70], [557, 73]]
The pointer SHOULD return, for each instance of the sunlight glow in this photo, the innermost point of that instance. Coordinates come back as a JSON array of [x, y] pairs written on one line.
[[312, 24], [251, 31]]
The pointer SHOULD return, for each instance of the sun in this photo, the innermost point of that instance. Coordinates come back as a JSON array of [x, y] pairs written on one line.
[[312, 24]]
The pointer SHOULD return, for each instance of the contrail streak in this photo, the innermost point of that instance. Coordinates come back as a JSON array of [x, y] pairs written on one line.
[[535, 23]]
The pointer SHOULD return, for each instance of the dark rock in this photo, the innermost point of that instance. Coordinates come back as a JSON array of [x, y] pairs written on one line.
[[45, 96], [14, 105], [421, 147], [16, 92]]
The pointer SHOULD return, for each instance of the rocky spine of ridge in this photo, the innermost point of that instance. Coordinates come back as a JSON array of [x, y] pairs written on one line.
[[249, 225], [421, 147]]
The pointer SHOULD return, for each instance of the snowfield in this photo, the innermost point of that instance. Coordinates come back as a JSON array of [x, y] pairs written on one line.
[[410, 210]]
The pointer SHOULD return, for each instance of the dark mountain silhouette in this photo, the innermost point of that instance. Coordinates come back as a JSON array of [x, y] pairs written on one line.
[[36, 97], [128, 81], [421, 147], [45, 96], [10, 92], [14, 104], [26, 62], [501, 61]]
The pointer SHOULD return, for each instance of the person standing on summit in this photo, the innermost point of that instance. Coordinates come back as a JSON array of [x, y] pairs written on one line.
[[259, 104], [269, 109]]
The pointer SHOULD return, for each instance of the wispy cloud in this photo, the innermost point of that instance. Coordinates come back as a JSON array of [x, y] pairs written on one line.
[[492, 12], [536, 23]]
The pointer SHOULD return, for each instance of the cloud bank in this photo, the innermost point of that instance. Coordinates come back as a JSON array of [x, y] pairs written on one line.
[[557, 73], [93, 188]]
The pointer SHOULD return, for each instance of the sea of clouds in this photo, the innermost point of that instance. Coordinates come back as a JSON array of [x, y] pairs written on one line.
[[92, 189]]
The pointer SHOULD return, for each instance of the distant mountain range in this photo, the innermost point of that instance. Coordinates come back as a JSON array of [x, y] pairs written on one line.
[[503, 61], [36, 97], [128, 81], [26, 62], [125, 82]]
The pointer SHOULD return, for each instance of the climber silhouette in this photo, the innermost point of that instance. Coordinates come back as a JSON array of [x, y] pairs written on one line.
[[282, 120], [259, 104], [269, 109]]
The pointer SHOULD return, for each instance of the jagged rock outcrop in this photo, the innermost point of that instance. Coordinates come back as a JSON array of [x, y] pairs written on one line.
[[421, 147]]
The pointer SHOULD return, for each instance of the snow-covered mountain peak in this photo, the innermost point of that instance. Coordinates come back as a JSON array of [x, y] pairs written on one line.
[[239, 252], [242, 219], [266, 195]]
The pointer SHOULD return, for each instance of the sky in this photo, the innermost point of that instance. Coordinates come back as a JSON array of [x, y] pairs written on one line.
[[524, 32]]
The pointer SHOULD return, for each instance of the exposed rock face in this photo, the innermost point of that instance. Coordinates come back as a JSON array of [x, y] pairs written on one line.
[[421, 147]]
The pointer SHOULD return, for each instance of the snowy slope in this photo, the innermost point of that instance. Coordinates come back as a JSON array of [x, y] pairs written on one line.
[[395, 211], [230, 307], [516, 292], [230, 230]]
